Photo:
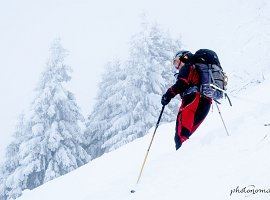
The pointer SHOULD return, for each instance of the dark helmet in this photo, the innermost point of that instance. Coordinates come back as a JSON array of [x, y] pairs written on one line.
[[182, 57]]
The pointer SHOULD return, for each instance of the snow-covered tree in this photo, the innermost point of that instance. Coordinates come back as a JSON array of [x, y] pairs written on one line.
[[49, 142], [128, 103], [12, 158], [107, 108]]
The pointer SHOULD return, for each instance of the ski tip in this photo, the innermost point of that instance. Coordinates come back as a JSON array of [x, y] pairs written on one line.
[[132, 191]]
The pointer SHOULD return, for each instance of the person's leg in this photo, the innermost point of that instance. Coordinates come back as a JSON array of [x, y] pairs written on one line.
[[185, 118], [178, 128], [201, 112]]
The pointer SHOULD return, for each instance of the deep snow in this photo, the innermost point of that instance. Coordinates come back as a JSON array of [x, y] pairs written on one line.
[[208, 166]]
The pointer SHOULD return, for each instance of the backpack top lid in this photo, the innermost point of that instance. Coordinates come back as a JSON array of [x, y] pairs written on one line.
[[206, 56]]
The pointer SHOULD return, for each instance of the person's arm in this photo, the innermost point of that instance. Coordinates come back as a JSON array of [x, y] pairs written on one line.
[[179, 87]]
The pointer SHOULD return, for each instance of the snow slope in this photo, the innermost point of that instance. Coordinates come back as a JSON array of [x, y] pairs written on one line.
[[211, 165]]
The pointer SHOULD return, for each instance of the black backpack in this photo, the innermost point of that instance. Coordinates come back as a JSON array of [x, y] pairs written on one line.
[[213, 80]]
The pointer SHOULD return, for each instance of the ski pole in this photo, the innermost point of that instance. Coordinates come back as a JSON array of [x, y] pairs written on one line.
[[222, 119], [132, 191]]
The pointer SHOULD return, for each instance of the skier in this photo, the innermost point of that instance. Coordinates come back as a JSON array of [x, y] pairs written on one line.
[[195, 106]]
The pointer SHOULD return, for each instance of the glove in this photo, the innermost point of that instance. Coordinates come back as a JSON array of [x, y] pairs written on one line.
[[165, 100]]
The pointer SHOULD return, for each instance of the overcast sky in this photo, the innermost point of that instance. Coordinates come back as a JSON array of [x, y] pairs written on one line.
[[93, 31]]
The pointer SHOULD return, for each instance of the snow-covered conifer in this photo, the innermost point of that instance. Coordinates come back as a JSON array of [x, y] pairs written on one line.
[[107, 108], [49, 142], [12, 158], [128, 103]]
